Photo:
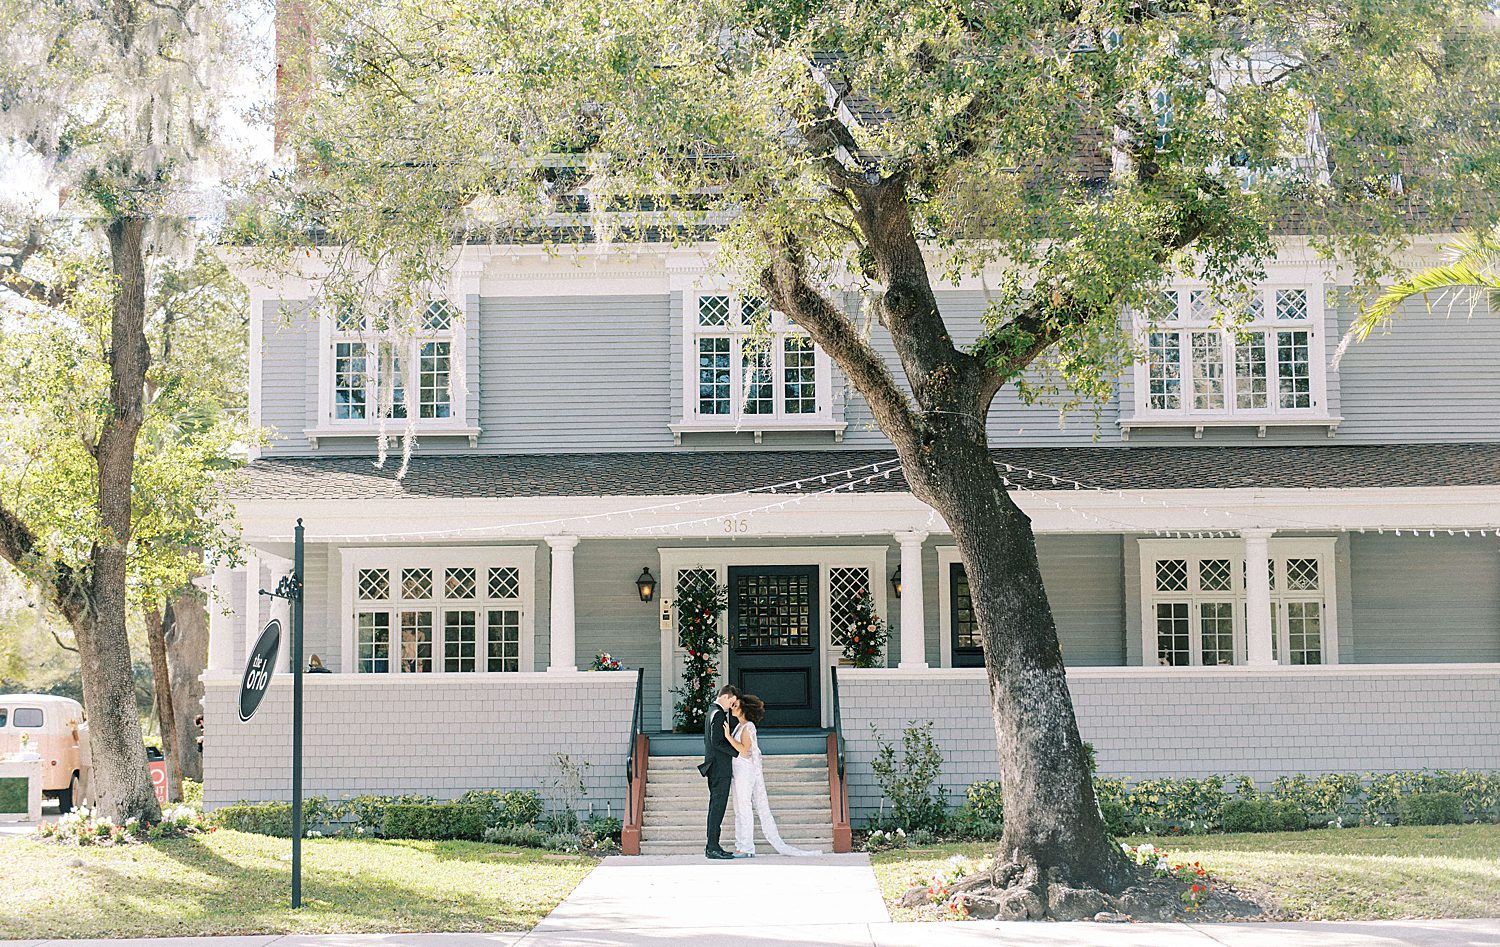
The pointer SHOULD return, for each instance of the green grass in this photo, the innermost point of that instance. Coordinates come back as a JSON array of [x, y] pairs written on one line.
[[236, 883], [15, 794], [1330, 874]]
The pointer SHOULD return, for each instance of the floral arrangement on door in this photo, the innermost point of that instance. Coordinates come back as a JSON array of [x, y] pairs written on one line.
[[860, 631], [700, 602]]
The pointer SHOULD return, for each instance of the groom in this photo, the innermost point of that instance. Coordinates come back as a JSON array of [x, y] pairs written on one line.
[[718, 766]]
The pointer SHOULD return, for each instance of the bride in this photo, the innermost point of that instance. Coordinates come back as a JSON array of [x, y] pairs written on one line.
[[750, 783]]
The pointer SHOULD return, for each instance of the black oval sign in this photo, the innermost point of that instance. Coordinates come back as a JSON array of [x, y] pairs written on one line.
[[258, 669]]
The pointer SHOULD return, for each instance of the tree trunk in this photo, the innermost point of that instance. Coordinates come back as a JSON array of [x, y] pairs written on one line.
[[122, 785], [187, 658], [161, 699]]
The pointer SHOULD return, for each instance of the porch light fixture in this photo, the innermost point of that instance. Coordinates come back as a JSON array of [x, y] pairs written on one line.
[[896, 581], [646, 585]]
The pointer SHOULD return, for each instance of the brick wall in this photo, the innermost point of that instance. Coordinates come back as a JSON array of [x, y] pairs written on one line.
[[1181, 722], [435, 735]]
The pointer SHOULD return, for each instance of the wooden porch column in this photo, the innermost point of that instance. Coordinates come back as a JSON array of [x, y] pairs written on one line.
[[220, 644], [1258, 629], [913, 622], [563, 655]]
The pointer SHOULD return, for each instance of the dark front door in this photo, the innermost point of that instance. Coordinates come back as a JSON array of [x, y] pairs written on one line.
[[968, 649], [773, 640]]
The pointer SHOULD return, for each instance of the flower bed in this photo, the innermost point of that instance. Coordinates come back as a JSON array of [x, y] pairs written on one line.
[[83, 827]]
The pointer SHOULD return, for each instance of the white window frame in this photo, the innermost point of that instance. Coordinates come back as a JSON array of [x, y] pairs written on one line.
[[738, 333], [1280, 550], [1185, 325], [438, 558], [330, 335], [719, 559]]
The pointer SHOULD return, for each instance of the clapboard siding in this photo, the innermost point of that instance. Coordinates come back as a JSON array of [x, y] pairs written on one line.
[[609, 613], [1423, 599], [574, 373], [1085, 581], [288, 374]]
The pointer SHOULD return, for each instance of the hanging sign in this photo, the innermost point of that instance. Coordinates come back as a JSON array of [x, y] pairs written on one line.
[[258, 669]]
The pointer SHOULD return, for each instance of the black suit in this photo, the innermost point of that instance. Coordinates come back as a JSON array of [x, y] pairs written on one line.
[[718, 767]]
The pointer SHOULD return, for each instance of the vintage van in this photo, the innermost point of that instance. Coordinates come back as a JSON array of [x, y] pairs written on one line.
[[57, 732]]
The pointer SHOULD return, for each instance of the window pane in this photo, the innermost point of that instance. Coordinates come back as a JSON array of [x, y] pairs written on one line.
[[350, 388], [1293, 370], [374, 584], [374, 642], [1200, 307], [503, 640], [1304, 621], [1171, 575], [1302, 575], [1172, 633], [505, 583], [348, 319], [755, 363], [713, 310], [713, 376], [1291, 304], [1164, 370], [1216, 632], [392, 376], [965, 625], [459, 630], [433, 377], [460, 583], [28, 717], [1208, 371], [439, 315], [753, 311], [1250, 391], [416, 583], [801, 375], [1214, 575], [416, 642]]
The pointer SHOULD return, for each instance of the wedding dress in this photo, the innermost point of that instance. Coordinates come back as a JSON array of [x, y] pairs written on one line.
[[750, 800]]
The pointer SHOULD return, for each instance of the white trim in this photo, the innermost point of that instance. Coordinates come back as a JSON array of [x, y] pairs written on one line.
[[571, 679], [719, 558], [257, 340], [1320, 548], [394, 429], [946, 557], [758, 427], [522, 558], [1198, 423]]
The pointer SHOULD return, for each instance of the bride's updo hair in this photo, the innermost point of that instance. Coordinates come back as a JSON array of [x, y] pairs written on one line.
[[753, 708]]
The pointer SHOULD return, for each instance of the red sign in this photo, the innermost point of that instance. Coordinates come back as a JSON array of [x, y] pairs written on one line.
[[158, 770]]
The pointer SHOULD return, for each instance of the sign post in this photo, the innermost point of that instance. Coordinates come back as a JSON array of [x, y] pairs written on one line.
[[258, 677]]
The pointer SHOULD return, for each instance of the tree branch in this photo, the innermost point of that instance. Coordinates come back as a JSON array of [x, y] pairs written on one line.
[[60, 582], [25, 286]]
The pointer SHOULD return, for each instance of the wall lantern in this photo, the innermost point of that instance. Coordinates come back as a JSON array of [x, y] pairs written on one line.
[[646, 585], [896, 581]]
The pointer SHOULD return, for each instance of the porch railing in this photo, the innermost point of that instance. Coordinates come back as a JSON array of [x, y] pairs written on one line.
[[637, 756], [838, 790]]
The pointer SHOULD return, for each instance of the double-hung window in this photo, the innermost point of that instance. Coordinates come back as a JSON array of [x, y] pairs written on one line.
[[1255, 360], [751, 364], [1194, 602], [374, 372], [435, 615]]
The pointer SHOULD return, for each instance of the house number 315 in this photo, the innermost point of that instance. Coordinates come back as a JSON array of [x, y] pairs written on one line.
[[736, 524]]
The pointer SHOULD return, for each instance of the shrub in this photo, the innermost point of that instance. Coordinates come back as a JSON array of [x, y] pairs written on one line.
[[604, 827], [514, 807], [529, 836], [1244, 815], [917, 801], [1116, 817], [986, 801], [192, 794], [262, 818], [1432, 808], [436, 821]]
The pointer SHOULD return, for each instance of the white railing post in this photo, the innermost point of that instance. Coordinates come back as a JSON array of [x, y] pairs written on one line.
[[1258, 629], [220, 640], [913, 621], [563, 655]]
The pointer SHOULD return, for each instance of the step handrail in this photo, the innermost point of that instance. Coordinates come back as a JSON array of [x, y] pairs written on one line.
[[636, 761], [838, 790]]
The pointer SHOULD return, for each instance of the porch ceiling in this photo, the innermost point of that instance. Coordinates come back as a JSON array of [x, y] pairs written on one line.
[[684, 473]]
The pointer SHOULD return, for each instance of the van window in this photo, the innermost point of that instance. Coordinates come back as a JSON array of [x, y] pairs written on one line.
[[3, 712], [28, 717]]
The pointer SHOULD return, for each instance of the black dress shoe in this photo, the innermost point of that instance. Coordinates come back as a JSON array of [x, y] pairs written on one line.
[[716, 854]]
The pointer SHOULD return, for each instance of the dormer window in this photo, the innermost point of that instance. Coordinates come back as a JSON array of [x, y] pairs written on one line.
[[1255, 361], [751, 368], [374, 373]]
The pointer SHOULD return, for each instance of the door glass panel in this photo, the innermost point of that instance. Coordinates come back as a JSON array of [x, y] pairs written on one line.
[[1173, 634], [1216, 628], [774, 611], [1304, 621]]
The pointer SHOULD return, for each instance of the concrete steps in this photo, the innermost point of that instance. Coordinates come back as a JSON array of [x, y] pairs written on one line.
[[677, 805]]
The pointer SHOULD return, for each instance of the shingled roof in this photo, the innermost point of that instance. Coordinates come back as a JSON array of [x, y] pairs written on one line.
[[681, 473]]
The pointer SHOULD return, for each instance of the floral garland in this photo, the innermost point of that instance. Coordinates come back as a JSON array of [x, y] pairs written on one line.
[[862, 634], [603, 662], [699, 605]]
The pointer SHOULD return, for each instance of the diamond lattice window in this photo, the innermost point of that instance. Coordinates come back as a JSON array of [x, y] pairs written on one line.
[[505, 583], [416, 583], [460, 583], [374, 584], [1171, 575]]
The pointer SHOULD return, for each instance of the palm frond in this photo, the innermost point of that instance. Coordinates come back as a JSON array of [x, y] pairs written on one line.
[[1474, 264]]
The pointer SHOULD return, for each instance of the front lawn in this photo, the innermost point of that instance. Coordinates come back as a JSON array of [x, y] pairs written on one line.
[[1330, 874], [235, 883]]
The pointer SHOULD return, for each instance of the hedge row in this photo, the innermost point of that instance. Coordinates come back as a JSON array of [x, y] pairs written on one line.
[[405, 816], [1235, 804]]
